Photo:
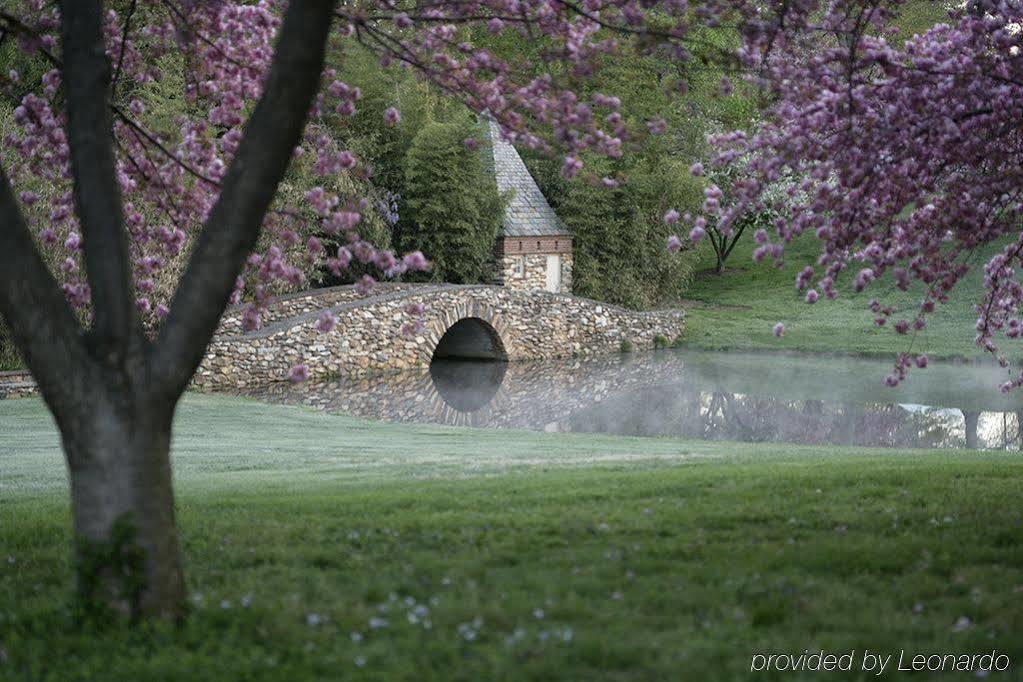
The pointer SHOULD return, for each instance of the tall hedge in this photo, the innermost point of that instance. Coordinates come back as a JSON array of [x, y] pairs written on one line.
[[620, 239], [452, 210]]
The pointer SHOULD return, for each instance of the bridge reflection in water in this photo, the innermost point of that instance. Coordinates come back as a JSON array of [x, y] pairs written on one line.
[[699, 395]]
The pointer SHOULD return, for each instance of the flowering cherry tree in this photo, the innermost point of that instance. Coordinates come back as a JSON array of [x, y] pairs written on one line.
[[127, 237], [909, 154]]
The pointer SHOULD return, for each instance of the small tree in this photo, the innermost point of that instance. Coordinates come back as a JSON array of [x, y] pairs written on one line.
[[452, 210], [761, 216]]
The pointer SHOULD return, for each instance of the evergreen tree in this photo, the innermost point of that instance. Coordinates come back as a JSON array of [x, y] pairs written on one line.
[[452, 210]]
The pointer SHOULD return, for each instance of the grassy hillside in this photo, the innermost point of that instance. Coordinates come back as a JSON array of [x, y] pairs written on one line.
[[737, 310], [323, 547], [916, 16]]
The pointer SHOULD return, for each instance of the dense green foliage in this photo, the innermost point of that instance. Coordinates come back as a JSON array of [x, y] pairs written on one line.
[[620, 237], [453, 211], [669, 560], [446, 201], [620, 253]]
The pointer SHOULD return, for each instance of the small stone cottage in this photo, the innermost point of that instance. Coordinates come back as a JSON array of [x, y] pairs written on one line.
[[534, 249]]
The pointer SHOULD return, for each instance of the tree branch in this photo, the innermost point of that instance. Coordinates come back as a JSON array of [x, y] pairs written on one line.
[[234, 224], [86, 75], [42, 324], [124, 41]]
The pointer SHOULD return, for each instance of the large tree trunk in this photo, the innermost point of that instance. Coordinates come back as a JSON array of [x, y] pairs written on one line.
[[111, 389], [127, 552]]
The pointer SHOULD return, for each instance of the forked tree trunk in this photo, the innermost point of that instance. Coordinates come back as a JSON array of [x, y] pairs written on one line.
[[111, 389], [126, 545]]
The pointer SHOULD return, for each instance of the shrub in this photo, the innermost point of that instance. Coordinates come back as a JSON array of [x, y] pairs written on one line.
[[625, 346], [660, 341]]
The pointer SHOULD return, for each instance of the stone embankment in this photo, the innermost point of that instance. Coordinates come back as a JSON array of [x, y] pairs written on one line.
[[16, 384]]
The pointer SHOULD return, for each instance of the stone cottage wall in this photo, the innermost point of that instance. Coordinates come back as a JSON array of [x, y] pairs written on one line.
[[532, 325], [535, 272]]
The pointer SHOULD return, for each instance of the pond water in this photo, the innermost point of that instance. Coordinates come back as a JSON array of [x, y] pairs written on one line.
[[692, 394]]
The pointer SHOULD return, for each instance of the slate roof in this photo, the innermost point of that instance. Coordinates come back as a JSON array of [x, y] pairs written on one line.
[[528, 214]]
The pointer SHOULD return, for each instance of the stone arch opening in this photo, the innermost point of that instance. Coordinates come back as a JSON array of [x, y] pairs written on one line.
[[471, 338], [467, 386], [468, 364]]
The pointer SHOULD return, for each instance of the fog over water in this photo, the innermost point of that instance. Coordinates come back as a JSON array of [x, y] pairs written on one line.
[[692, 394]]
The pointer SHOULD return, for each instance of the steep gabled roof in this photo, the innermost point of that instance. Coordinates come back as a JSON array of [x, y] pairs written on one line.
[[528, 214]]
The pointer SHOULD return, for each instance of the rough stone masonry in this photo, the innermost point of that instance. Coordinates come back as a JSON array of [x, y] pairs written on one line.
[[528, 325]]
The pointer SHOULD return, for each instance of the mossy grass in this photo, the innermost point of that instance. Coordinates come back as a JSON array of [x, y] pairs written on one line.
[[737, 310], [322, 547]]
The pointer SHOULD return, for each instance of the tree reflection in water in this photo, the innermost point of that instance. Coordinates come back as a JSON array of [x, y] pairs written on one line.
[[708, 396]]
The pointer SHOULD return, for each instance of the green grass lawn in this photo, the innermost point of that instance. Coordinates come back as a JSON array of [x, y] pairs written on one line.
[[738, 310], [326, 548]]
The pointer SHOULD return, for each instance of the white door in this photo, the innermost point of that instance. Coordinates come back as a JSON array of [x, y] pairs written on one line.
[[554, 273]]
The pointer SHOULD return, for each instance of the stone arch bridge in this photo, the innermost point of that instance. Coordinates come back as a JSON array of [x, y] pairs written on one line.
[[459, 321]]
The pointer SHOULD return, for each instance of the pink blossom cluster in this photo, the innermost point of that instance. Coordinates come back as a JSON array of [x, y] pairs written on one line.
[[170, 179], [910, 156]]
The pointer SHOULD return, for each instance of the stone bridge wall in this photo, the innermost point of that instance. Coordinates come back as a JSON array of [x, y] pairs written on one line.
[[286, 306], [532, 325]]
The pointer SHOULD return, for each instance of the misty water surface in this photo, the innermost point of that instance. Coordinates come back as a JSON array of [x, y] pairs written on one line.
[[692, 394]]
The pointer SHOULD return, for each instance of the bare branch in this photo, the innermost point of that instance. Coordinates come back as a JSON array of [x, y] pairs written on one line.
[[44, 328], [124, 41], [86, 73]]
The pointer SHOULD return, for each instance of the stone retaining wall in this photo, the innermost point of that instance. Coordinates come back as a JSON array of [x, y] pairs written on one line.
[[18, 384]]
